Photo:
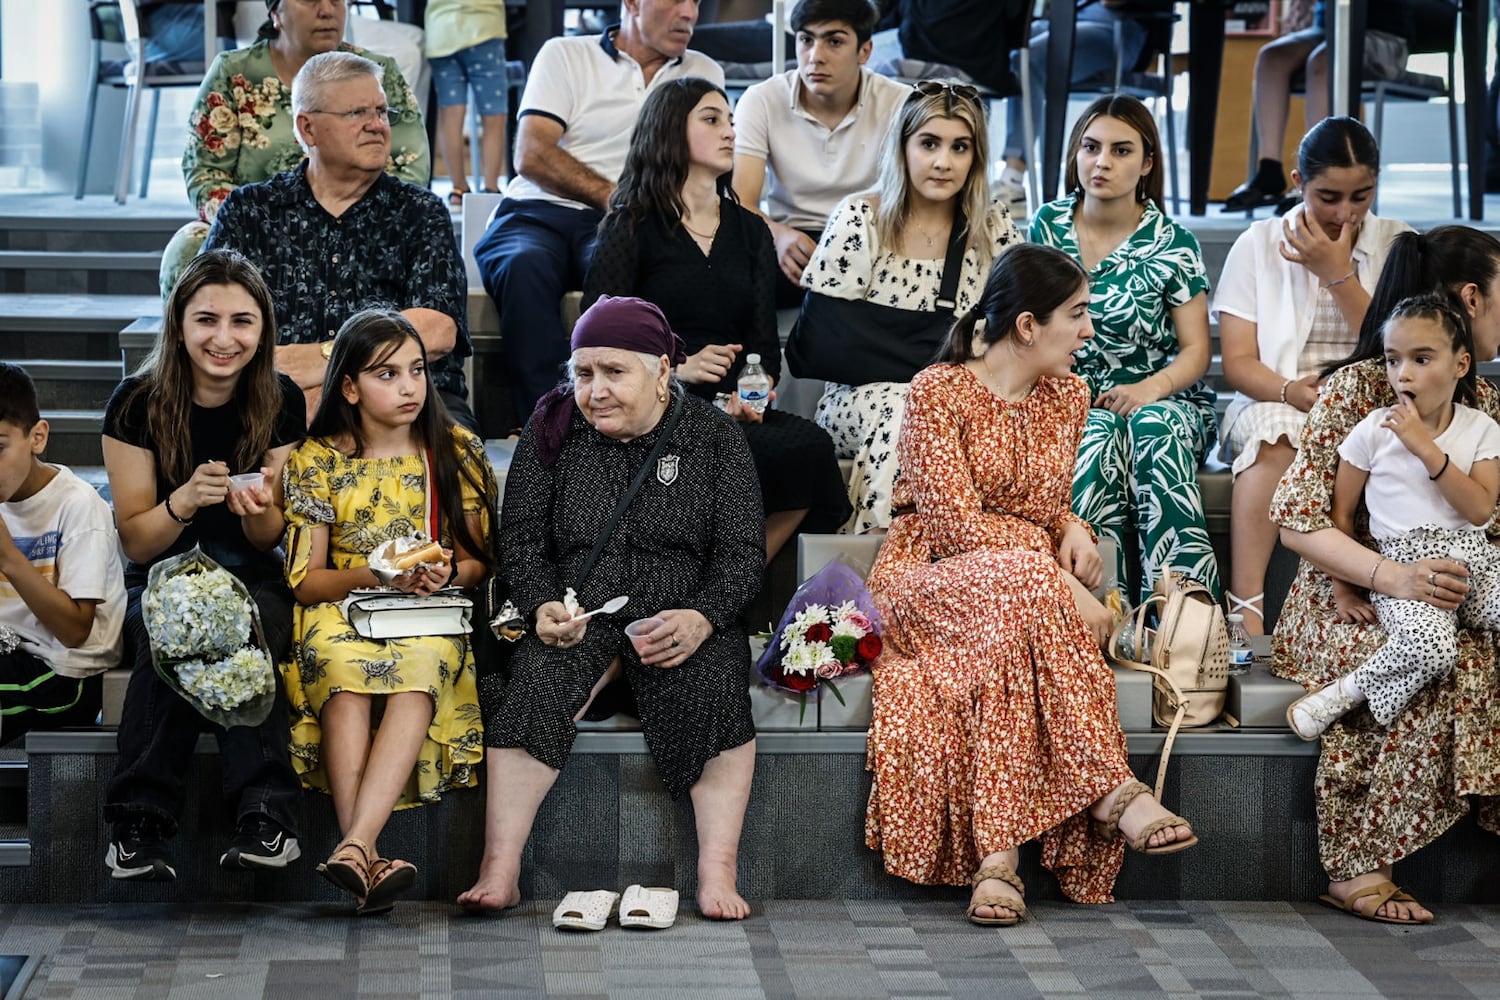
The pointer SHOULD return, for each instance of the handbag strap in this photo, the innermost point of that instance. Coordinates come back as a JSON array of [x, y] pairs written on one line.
[[958, 236], [1130, 658], [674, 414]]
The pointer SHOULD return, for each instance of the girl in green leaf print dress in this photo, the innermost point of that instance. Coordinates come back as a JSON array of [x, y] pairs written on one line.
[[360, 479], [1152, 419]]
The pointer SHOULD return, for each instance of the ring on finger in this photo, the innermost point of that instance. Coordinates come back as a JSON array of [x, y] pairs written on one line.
[[1432, 578]]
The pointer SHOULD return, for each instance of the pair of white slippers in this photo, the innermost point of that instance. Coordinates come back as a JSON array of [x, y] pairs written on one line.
[[640, 907]]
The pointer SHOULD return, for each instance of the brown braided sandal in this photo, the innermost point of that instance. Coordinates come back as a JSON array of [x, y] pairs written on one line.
[[1110, 828], [348, 867], [390, 878], [1004, 874]]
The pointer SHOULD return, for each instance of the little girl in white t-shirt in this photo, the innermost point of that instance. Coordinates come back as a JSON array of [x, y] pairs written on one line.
[[1429, 471]]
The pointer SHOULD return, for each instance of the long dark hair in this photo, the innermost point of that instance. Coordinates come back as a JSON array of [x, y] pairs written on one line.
[[1444, 309], [1027, 278], [365, 341], [167, 373], [1132, 112], [657, 164], [1447, 257]]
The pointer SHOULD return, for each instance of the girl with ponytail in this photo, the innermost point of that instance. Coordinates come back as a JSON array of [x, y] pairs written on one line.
[[994, 714]]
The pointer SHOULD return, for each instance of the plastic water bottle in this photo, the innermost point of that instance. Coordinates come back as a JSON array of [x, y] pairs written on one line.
[[755, 385], [1239, 645]]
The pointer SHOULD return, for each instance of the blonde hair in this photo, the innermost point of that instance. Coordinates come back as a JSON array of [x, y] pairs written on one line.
[[892, 194]]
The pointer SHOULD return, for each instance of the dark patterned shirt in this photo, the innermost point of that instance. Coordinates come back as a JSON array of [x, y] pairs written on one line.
[[393, 248]]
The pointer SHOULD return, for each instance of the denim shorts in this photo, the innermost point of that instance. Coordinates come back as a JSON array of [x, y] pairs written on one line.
[[481, 67]]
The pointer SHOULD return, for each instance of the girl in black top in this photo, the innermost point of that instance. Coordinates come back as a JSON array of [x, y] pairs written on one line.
[[207, 404]]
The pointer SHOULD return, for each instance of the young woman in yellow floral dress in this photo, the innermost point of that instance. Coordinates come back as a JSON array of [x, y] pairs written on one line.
[[359, 480]]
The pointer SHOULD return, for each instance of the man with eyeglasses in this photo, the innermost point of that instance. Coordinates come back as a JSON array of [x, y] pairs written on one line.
[[337, 234], [581, 101]]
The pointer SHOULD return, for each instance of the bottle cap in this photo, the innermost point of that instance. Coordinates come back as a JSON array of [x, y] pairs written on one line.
[[1236, 618], [752, 359]]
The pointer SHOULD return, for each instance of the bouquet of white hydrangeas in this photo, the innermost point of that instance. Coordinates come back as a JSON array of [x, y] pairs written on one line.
[[206, 640]]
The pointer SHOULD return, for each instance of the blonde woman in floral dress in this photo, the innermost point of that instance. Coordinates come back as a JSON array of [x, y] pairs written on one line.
[[995, 719], [1383, 794], [241, 129], [361, 479]]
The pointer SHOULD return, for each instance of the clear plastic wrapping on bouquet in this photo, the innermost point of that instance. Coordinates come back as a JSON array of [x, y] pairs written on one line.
[[829, 629], [206, 640]]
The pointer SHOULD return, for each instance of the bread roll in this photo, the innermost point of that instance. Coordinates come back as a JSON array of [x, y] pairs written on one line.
[[432, 552]]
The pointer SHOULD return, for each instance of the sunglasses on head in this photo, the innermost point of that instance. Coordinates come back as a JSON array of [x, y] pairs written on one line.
[[932, 88]]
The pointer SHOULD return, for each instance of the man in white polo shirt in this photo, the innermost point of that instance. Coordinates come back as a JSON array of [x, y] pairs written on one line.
[[582, 98], [814, 132]]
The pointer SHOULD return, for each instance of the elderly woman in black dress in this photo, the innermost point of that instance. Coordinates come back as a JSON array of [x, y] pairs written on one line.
[[687, 550], [676, 236]]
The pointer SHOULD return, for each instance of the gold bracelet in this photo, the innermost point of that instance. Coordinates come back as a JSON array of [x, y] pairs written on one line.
[[1373, 570]]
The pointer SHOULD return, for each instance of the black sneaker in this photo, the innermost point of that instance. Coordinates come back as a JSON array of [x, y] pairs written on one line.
[[138, 853], [260, 843]]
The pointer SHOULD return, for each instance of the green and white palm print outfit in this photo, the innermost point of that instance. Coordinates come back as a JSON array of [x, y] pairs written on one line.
[[1141, 471]]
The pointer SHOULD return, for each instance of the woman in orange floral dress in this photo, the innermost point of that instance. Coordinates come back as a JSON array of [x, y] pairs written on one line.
[[1381, 793], [995, 717]]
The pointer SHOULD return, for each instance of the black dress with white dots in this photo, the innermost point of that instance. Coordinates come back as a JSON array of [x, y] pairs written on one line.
[[693, 537]]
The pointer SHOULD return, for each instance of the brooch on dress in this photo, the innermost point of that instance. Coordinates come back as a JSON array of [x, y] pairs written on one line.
[[666, 470]]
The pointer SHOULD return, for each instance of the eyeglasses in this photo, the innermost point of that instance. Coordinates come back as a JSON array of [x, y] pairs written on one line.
[[359, 116], [932, 88]]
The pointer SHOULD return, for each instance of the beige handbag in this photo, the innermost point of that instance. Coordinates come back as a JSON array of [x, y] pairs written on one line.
[[1189, 656]]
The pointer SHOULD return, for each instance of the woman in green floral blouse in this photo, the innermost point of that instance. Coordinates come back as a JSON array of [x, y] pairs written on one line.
[[1153, 419], [241, 130]]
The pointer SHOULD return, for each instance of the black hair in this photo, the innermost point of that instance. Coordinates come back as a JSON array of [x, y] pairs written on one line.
[[657, 163], [18, 404], [1027, 278], [1336, 142], [1446, 257], [860, 15], [1445, 309], [366, 340]]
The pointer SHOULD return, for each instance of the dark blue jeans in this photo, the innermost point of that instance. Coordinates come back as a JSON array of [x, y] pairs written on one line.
[[534, 252], [158, 731]]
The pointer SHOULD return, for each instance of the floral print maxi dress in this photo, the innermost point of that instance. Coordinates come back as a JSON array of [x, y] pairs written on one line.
[[1381, 793], [364, 502], [995, 718]]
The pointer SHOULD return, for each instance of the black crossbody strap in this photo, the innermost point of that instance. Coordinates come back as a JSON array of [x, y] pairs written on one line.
[[958, 239], [673, 416]]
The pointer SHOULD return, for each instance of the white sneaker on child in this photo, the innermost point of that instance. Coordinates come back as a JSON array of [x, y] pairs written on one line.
[[1311, 714], [1010, 191]]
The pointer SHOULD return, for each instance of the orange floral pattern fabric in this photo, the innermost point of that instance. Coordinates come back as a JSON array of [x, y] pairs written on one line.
[[1381, 793], [995, 718]]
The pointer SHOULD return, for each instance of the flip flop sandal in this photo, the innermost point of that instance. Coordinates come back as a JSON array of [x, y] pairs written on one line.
[[389, 880], [1009, 902], [1110, 828], [1384, 892], [348, 867], [584, 911], [654, 909], [456, 198]]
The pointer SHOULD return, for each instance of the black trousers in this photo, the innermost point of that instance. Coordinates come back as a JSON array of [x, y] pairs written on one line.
[[33, 697], [158, 731]]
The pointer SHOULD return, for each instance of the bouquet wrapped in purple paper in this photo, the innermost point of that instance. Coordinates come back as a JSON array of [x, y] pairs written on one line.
[[830, 629]]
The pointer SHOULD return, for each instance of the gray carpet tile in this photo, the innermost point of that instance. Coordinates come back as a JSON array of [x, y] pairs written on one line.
[[824, 949]]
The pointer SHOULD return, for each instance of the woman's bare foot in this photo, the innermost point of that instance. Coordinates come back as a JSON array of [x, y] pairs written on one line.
[[995, 887], [494, 891], [718, 897], [1391, 909], [1140, 813]]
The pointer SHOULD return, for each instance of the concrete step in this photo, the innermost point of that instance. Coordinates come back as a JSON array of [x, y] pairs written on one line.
[[85, 327], [75, 436], [54, 272], [72, 385]]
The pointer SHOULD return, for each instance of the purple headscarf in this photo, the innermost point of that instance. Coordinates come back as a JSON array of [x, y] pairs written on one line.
[[621, 322]]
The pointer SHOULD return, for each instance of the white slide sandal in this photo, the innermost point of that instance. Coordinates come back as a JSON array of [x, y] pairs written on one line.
[[584, 911], [652, 908]]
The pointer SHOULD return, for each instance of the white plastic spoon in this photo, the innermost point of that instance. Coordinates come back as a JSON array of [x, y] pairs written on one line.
[[609, 607]]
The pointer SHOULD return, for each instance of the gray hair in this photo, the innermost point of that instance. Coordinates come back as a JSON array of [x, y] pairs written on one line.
[[650, 362], [322, 71]]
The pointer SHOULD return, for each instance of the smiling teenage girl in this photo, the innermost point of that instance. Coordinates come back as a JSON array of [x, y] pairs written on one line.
[[1152, 417]]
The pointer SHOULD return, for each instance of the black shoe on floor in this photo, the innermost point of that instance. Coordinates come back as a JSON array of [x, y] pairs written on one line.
[[260, 843], [1289, 202], [1250, 196], [138, 852]]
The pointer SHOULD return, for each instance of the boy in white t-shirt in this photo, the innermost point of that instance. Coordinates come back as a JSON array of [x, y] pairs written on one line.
[[62, 591], [1429, 471]]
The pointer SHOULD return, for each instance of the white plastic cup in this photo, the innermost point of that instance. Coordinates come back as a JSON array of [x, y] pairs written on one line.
[[240, 483], [639, 629]]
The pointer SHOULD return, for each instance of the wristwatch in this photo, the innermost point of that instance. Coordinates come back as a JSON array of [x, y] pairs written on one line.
[[327, 347]]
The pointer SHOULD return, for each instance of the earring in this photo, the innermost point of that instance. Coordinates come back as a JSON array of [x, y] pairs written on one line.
[[661, 397]]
